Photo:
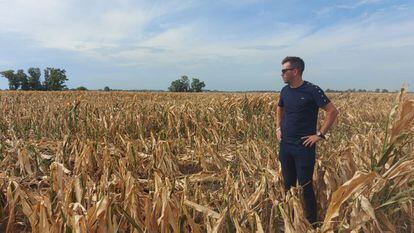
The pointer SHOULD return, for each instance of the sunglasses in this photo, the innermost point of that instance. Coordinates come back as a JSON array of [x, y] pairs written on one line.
[[287, 69]]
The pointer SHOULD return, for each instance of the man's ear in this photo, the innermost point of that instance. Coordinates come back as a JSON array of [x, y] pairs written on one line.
[[297, 73]]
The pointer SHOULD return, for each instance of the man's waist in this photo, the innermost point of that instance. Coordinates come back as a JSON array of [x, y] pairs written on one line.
[[297, 141], [295, 136]]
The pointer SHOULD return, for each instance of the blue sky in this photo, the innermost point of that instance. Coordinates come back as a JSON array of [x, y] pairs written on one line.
[[230, 45]]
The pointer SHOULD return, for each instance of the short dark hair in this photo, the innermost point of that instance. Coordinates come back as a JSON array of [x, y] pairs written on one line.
[[296, 63]]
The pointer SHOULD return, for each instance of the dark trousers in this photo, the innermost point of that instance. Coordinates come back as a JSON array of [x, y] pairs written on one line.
[[297, 163]]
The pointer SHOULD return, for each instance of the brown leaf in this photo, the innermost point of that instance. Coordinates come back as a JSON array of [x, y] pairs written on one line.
[[344, 192]]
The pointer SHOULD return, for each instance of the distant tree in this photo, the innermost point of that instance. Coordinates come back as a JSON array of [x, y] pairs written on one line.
[[384, 91], [23, 81], [175, 86], [197, 85], [180, 85], [377, 90], [34, 79], [186, 83], [81, 88], [55, 79], [14, 82], [107, 88]]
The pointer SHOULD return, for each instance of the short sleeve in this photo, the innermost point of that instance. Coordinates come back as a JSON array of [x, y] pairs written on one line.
[[281, 103], [319, 96]]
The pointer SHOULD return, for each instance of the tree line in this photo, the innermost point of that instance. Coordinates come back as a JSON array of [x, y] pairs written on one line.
[[183, 85], [54, 79], [359, 90]]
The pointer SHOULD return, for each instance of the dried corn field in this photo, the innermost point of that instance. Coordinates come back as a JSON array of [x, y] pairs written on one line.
[[163, 162]]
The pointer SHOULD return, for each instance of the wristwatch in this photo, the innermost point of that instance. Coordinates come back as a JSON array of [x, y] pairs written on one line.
[[320, 134]]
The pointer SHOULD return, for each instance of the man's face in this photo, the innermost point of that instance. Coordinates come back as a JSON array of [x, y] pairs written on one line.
[[288, 73]]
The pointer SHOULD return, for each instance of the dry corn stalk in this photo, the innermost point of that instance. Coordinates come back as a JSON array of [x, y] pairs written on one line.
[[165, 162]]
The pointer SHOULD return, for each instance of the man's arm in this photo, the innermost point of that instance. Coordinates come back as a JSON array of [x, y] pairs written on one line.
[[279, 116], [332, 114]]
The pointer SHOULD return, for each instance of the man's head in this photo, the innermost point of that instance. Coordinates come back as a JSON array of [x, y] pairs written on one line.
[[292, 68]]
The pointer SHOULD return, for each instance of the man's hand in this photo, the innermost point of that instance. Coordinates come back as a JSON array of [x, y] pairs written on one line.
[[278, 134], [310, 140]]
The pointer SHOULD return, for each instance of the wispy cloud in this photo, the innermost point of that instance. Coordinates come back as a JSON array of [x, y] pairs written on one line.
[[351, 5], [266, 48], [65, 25]]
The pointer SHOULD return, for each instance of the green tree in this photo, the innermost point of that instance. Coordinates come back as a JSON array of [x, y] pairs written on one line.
[[107, 88], [23, 81], [14, 83], [34, 78], [175, 86], [55, 79], [81, 88], [197, 85], [180, 85]]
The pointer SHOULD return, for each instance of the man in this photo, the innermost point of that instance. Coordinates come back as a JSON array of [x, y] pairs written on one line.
[[297, 114]]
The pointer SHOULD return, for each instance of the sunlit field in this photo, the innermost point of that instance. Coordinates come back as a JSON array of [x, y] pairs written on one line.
[[164, 162]]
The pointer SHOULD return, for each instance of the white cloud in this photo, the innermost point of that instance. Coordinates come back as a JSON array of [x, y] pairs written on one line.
[[328, 10], [373, 33], [374, 52], [80, 26], [188, 44]]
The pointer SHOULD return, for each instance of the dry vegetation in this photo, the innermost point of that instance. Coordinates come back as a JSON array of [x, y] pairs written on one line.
[[160, 162]]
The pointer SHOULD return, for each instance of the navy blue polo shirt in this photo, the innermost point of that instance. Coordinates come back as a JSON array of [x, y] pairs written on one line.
[[301, 106]]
